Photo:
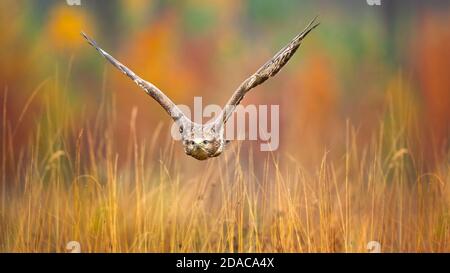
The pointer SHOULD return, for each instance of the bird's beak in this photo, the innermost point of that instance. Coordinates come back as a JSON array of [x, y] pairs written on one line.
[[198, 141]]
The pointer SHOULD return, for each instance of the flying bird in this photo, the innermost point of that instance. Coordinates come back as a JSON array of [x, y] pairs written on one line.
[[203, 141]]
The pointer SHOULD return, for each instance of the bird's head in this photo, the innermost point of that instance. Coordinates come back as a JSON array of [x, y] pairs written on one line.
[[200, 142]]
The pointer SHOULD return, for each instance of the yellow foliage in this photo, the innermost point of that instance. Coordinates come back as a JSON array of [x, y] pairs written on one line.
[[64, 26]]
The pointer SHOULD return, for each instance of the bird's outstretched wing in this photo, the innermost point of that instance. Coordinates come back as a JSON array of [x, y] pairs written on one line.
[[266, 71], [149, 88]]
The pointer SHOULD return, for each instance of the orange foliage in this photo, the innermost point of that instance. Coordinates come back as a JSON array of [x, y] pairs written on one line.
[[432, 57], [314, 97]]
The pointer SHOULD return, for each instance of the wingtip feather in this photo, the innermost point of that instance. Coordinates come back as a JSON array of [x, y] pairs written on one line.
[[88, 39]]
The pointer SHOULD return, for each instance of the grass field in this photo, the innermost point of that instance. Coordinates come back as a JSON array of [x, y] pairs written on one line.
[[71, 183]]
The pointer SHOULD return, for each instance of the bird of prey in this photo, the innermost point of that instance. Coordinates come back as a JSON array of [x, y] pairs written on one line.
[[203, 141]]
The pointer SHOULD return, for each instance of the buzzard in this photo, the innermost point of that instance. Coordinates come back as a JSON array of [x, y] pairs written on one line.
[[203, 141]]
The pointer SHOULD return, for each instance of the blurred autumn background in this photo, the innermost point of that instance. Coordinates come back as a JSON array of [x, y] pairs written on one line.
[[364, 73]]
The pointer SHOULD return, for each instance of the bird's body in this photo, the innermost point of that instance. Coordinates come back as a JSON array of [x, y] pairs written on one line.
[[203, 141]]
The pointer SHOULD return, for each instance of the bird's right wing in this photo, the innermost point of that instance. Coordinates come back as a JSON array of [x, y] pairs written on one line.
[[149, 88]]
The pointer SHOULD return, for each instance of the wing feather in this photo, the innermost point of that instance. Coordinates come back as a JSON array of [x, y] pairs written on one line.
[[149, 88], [269, 69]]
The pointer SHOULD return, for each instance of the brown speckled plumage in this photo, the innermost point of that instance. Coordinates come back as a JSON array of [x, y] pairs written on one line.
[[208, 140]]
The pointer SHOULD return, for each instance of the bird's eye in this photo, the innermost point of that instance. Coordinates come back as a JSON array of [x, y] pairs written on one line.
[[192, 142], [181, 130], [205, 142]]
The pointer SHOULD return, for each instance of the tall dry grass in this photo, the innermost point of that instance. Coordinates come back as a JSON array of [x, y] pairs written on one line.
[[70, 182]]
